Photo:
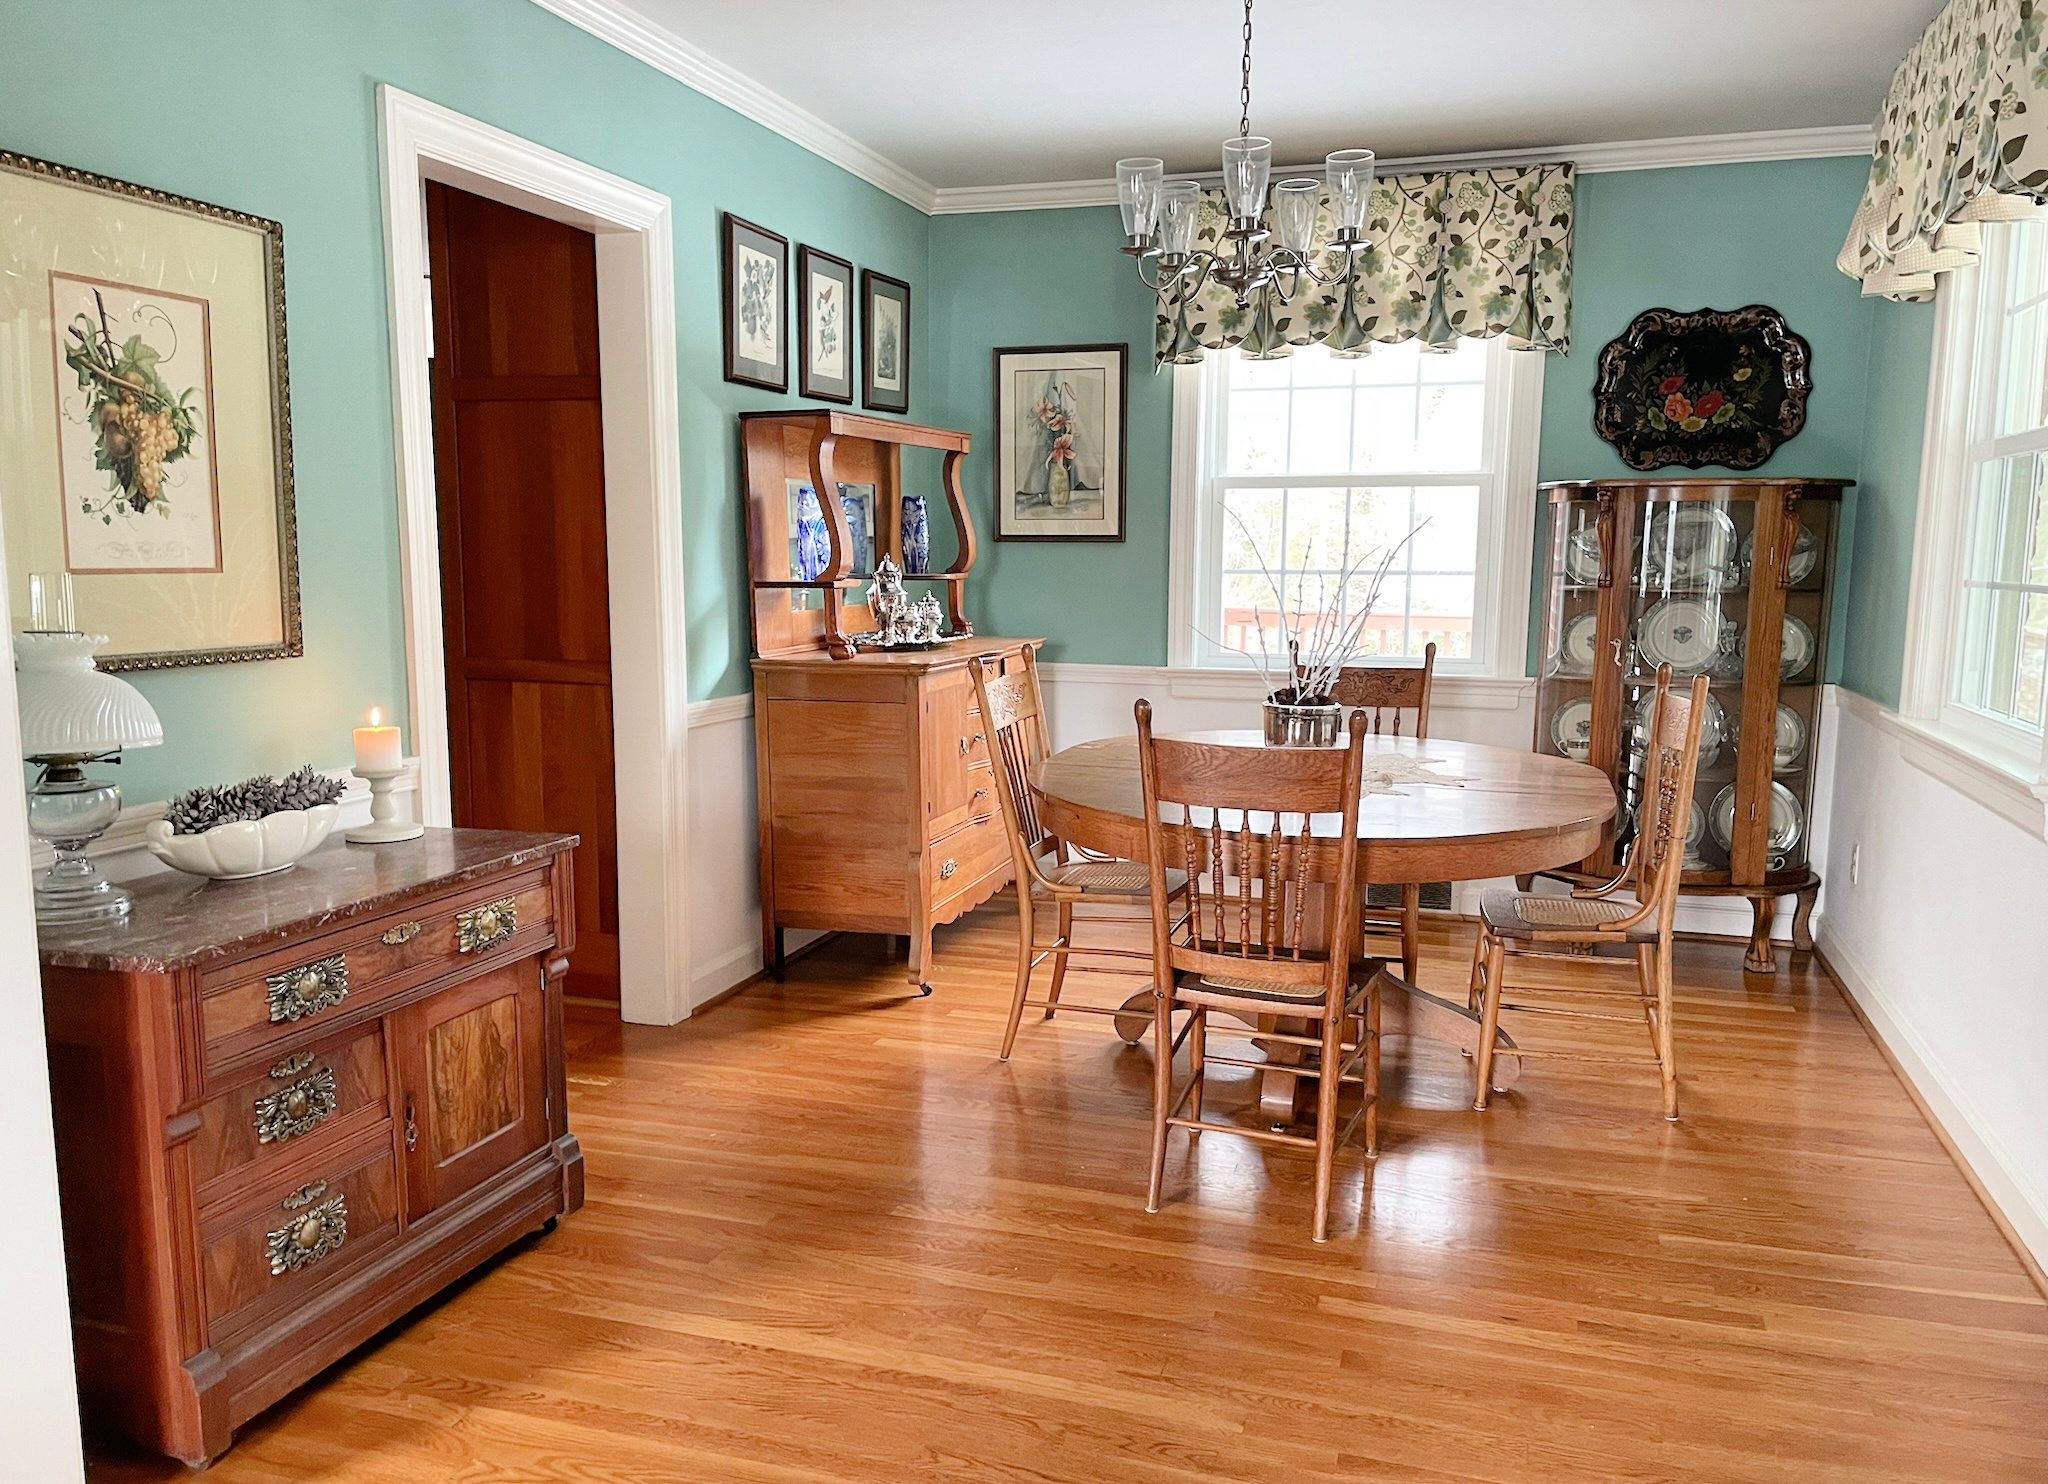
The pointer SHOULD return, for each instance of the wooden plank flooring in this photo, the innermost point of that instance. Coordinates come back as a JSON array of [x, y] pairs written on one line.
[[829, 1237]]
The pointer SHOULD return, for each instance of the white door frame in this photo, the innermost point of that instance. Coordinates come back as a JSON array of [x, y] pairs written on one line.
[[420, 141]]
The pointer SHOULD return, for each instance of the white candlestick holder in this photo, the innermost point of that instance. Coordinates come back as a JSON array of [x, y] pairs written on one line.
[[385, 827]]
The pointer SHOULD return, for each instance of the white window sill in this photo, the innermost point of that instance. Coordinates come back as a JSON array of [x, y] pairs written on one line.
[[1987, 778], [1451, 692]]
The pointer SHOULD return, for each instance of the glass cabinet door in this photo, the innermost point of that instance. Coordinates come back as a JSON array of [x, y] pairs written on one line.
[[1571, 632]]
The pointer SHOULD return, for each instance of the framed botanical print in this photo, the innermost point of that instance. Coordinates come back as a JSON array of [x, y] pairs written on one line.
[[756, 279], [824, 296], [142, 348], [885, 342], [1060, 448]]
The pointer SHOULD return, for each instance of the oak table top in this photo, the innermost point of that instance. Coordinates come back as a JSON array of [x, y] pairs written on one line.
[[1510, 812]]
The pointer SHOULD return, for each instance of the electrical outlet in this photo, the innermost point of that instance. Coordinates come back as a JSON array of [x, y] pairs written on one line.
[[1855, 864]]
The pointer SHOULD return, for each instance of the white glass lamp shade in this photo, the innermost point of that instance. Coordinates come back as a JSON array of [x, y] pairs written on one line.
[[1137, 196], [69, 708], [1180, 204], [1295, 204], [1349, 175], [1247, 162]]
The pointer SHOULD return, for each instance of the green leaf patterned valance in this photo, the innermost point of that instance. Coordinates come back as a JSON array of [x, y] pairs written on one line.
[[1962, 139], [1456, 254]]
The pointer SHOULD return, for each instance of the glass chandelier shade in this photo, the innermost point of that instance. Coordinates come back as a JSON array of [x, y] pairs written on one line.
[[1348, 173], [1137, 196], [1295, 205], [1247, 164], [1180, 204]]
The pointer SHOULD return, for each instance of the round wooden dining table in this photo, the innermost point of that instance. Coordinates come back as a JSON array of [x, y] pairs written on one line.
[[1495, 812]]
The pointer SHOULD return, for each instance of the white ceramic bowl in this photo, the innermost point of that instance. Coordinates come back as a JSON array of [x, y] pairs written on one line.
[[250, 847]]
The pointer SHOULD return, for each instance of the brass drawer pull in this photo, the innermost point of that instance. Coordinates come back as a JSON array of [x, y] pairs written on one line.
[[480, 927], [947, 867], [316, 1231], [299, 1108], [405, 932], [307, 989]]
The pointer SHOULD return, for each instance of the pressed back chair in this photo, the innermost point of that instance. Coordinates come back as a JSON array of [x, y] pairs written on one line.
[[1013, 717], [1395, 701], [1237, 939], [1519, 925]]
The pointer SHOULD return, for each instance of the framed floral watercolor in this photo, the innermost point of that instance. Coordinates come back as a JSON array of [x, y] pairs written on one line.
[[1060, 448], [1723, 387], [885, 342], [824, 296], [755, 265], [143, 335]]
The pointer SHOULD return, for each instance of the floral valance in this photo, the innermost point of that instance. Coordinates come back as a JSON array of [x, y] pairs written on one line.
[[1962, 139], [1460, 253]]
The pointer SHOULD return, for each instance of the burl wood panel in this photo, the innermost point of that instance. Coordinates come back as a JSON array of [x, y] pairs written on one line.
[[473, 1069], [519, 451]]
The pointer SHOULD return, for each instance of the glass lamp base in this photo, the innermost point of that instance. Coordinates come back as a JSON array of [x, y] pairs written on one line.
[[75, 891]]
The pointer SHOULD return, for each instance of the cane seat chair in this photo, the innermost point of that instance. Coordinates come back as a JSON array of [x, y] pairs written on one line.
[[1391, 696], [1050, 873], [1517, 926], [1235, 941]]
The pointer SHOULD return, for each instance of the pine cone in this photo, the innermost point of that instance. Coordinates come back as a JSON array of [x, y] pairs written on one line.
[[193, 812], [306, 789]]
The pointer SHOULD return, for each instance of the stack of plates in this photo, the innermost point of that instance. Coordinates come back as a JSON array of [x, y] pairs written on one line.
[[1688, 634], [1805, 553], [1795, 652], [1788, 821], [1571, 728], [1577, 644]]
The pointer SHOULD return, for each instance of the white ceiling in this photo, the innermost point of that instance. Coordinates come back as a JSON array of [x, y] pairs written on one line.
[[974, 93]]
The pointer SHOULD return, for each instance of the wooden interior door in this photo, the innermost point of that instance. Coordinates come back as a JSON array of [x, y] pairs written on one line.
[[525, 598], [471, 1063]]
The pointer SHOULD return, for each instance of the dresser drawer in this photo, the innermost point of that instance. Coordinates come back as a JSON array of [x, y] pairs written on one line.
[[960, 780], [293, 1241], [304, 1102], [255, 1007], [961, 860]]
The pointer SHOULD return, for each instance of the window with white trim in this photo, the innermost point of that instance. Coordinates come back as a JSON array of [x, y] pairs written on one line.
[[1977, 664], [1319, 463]]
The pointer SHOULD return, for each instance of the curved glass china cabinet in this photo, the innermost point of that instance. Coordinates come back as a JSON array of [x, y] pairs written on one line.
[[1728, 576]]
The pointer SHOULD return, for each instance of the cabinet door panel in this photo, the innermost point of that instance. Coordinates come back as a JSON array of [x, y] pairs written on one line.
[[473, 1097]]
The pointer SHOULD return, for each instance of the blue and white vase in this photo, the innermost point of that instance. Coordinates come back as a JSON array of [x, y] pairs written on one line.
[[856, 508], [813, 545], [917, 535]]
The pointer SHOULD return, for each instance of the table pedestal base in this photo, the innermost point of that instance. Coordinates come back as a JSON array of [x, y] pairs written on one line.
[[1405, 1010]]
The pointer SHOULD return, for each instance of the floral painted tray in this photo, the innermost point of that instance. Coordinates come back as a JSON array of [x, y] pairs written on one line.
[[1715, 386]]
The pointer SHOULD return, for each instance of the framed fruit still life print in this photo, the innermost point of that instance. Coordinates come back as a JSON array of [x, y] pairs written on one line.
[[1714, 386], [147, 450]]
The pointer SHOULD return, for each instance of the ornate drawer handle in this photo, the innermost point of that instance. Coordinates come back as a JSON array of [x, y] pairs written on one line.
[[299, 1108], [405, 932], [947, 867], [307, 989], [480, 927], [316, 1231]]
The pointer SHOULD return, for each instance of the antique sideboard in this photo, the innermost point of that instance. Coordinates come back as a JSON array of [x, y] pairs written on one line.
[[290, 1109]]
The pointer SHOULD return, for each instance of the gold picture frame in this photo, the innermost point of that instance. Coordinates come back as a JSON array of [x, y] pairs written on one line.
[[145, 431]]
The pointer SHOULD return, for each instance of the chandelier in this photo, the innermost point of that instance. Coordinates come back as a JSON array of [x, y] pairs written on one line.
[[1160, 215]]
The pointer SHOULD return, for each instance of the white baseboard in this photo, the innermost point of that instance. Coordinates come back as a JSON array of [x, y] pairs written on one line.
[[1980, 1151]]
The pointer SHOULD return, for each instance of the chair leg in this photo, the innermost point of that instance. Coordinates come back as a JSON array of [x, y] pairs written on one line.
[[1667, 1050], [1162, 1088], [1489, 988], [1059, 962], [1198, 1050], [1372, 1068], [1026, 934], [1411, 929], [1326, 1121], [1474, 999]]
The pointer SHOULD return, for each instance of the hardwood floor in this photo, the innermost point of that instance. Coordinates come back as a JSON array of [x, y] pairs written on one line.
[[829, 1237]]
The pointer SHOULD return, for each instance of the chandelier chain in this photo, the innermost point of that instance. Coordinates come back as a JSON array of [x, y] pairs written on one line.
[[1244, 91]]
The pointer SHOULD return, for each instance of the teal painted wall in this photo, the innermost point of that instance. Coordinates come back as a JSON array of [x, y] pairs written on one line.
[[1872, 638], [1700, 237], [273, 111], [1054, 278]]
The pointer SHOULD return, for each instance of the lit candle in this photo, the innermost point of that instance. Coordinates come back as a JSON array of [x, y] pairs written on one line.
[[377, 748]]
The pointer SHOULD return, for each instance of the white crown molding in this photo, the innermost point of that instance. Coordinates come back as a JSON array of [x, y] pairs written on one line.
[[1590, 159], [663, 50]]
